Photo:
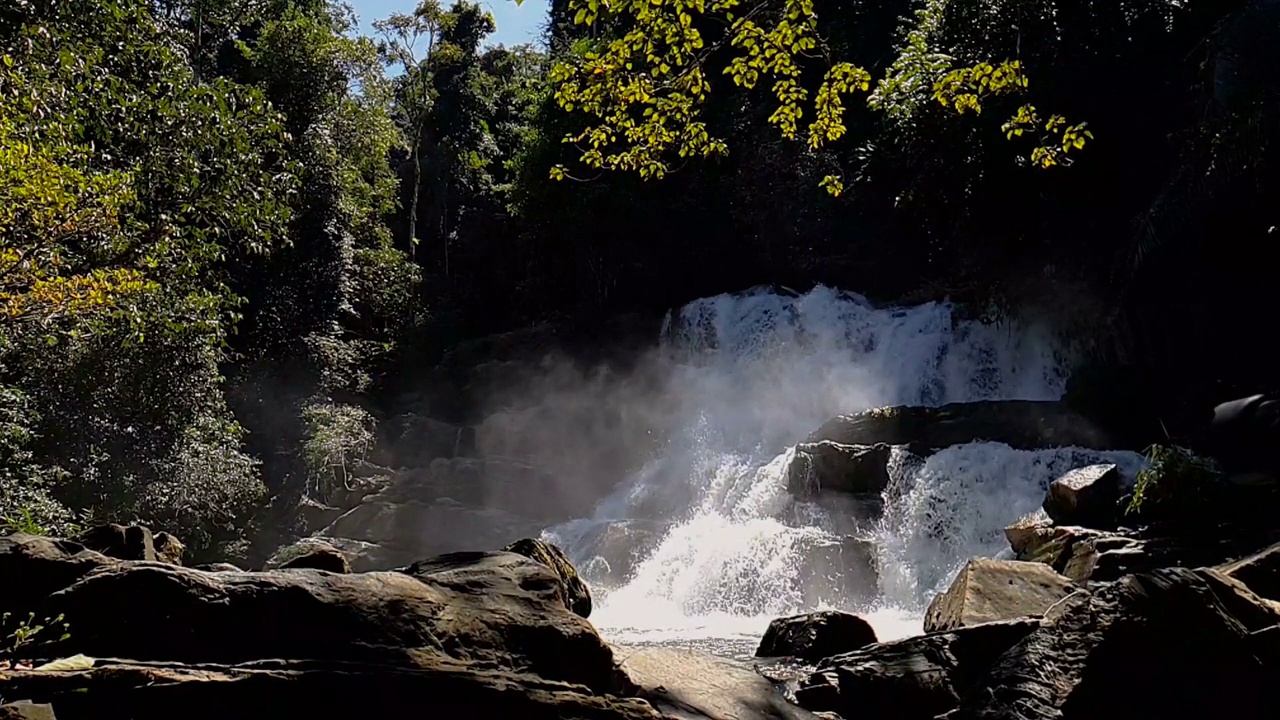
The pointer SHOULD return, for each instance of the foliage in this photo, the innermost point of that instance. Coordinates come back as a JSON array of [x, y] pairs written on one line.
[[337, 437], [1177, 485], [647, 85], [15, 635]]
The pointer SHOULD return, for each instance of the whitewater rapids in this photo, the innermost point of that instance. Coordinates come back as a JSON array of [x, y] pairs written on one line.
[[756, 373]]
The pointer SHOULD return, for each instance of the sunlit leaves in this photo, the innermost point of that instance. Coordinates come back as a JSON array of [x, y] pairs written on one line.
[[645, 84]]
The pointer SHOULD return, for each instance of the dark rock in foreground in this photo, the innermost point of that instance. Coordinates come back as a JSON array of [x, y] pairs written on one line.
[[913, 679], [274, 689], [816, 636], [576, 595], [1021, 424], [1173, 643]]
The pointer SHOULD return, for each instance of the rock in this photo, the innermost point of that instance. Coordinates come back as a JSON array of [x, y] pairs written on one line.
[[991, 590], [691, 685], [828, 466], [815, 636], [613, 548], [577, 596], [45, 566], [1104, 557], [319, 557], [1021, 424], [913, 679], [381, 534], [132, 542], [1086, 496], [317, 516], [1027, 533], [1259, 571], [497, 609], [317, 690], [169, 549], [218, 567], [26, 710], [1173, 643], [418, 440]]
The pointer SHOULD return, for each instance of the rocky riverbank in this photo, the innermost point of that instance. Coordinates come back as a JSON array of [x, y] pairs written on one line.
[[1155, 596]]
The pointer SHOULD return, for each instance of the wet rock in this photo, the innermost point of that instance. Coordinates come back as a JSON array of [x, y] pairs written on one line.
[[615, 547], [827, 466], [1086, 496], [1021, 424], [815, 636], [168, 548], [1173, 643], [1259, 571], [1104, 557], [691, 685], [26, 710], [577, 597], [317, 690], [125, 542], [913, 679], [319, 556], [991, 590]]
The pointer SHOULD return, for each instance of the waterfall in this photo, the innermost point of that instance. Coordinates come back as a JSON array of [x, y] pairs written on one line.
[[729, 548]]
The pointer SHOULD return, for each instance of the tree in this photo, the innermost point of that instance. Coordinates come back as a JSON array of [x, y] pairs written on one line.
[[645, 74], [401, 36]]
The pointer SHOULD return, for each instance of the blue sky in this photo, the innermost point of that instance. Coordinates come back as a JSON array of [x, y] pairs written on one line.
[[516, 23]]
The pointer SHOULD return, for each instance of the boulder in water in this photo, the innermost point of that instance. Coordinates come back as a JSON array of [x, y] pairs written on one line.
[[576, 594], [815, 636], [828, 466], [1173, 643], [917, 678], [1087, 496], [991, 590], [1021, 424]]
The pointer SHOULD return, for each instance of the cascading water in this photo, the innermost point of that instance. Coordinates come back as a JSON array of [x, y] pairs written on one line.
[[728, 549]]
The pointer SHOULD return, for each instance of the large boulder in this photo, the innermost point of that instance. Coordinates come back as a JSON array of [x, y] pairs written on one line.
[[828, 466], [498, 609], [815, 636], [990, 590], [1087, 496], [319, 557], [913, 679], [1021, 424], [317, 690], [576, 595], [1173, 643]]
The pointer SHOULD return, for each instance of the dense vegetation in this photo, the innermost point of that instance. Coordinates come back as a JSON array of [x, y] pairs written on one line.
[[229, 237]]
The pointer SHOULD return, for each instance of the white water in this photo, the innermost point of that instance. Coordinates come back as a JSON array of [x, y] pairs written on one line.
[[756, 373]]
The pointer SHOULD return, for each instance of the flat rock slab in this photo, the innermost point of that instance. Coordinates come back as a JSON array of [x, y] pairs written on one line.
[[993, 590], [692, 685]]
